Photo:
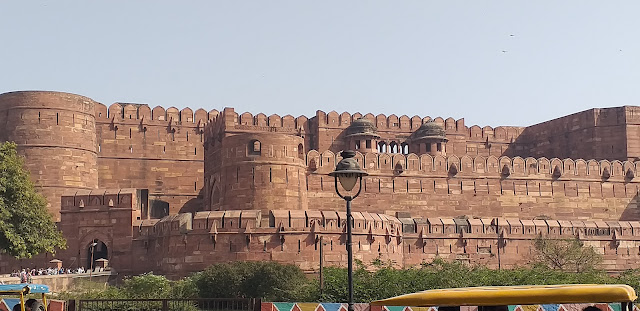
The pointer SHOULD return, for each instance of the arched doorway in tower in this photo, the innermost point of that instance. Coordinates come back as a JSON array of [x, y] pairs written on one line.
[[96, 250]]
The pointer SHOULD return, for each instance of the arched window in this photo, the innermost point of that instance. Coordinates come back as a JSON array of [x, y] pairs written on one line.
[[404, 148], [254, 147], [393, 147], [301, 151]]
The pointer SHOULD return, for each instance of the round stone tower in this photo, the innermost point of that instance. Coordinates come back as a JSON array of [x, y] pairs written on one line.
[[362, 135], [256, 171], [56, 133], [430, 138]]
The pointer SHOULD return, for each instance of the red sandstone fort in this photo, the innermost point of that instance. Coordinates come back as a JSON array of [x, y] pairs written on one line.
[[174, 191]]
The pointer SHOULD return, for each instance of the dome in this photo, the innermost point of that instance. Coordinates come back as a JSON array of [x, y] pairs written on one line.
[[430, 130], [362, 127]]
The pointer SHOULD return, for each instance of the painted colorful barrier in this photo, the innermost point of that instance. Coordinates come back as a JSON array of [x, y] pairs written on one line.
[[325, 306], [7, 304]]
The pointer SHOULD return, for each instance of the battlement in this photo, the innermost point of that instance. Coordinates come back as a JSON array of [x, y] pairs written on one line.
[[403, 124], [103, 199], [332, 222], [143, 113]]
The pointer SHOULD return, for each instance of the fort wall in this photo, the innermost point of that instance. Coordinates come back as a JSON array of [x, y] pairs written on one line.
[[180, 243], [406, 241], [483, 186], [224, 186]]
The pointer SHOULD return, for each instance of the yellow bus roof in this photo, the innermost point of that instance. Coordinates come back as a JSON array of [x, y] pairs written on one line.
[[514, 295]]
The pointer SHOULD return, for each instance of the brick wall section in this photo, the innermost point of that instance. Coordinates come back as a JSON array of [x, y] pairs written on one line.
[[601, 133], [161, 150]]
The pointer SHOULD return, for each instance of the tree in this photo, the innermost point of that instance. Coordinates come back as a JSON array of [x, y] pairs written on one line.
[[251, 279], [26, 228], [566, 255]]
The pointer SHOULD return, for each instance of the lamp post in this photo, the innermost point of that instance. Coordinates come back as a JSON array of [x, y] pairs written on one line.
[[348, 172], [93, 246]]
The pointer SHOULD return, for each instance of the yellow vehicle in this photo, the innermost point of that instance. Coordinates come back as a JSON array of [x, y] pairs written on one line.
[[511, 297], [21, 291]]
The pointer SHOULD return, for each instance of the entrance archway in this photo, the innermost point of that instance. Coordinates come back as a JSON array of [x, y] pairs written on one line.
[[96, 250]]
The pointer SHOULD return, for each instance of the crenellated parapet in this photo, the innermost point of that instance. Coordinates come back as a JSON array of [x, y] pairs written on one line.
[[292, 236], [406, 124], [158, 115]]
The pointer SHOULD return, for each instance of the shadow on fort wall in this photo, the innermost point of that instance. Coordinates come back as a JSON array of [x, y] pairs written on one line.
[[520, 147], [194, 205], [631, 212], [337, 144]]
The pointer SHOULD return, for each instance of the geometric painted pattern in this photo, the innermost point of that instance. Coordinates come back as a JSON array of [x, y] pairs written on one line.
[[8, 303], [567, 307], [328, 306]]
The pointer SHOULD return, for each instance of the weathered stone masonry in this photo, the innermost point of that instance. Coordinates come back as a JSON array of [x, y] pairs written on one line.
[[185, 189]]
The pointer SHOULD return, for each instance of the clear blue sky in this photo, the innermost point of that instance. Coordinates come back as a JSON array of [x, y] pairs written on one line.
[[427, 58]]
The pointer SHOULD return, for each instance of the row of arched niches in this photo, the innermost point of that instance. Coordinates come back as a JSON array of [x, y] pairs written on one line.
[[504, 167]]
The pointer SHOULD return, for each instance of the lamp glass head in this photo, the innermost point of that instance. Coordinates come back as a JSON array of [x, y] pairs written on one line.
[[348, 180]]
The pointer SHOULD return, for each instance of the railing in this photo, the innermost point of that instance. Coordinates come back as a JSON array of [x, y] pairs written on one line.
[[203, 304]]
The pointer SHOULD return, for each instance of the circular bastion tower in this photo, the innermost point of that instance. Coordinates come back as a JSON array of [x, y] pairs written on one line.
[[256, 171], [56, 133]]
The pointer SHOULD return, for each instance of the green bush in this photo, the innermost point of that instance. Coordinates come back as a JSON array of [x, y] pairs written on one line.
[[268, 280]]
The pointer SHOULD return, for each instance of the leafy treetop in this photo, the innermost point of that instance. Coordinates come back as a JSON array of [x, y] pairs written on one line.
[[26, 228]]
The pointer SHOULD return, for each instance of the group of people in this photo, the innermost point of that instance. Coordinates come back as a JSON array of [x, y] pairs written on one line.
[[26, 275]]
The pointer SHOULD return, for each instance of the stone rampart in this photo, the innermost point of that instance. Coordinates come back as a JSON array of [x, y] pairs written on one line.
[[182, 243]]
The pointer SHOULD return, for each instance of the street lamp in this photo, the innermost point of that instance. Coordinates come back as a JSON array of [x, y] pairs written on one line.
[[348, 172]]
